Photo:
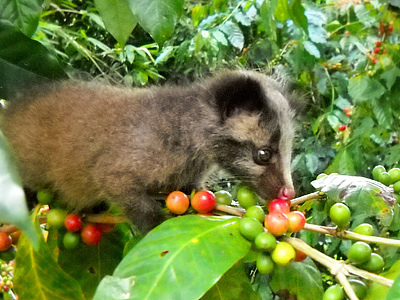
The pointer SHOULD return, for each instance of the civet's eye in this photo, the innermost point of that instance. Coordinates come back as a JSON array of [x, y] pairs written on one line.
[[262, 156]]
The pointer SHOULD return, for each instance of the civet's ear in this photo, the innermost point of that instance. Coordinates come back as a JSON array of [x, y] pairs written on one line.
[[238, 92]]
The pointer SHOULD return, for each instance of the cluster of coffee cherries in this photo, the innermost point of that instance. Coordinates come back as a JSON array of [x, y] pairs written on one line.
[[202, 202], [7, 272], [389, 178], [359, 254], [76, 229], [374, 54], [263, 230]]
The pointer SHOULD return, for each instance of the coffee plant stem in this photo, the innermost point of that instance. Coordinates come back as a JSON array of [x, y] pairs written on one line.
[[335, 266], [302, 199], [351, 235], [341, 277], [230, 210]]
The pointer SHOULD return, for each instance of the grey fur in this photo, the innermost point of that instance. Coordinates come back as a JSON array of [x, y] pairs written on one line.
[[91, 142]]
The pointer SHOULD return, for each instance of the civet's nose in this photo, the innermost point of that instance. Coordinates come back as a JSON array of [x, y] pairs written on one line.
[[286, 193]]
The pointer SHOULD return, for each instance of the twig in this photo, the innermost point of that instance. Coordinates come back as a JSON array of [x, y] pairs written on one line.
[[230, 210], [351, 235], [302, 199], [338, 268]]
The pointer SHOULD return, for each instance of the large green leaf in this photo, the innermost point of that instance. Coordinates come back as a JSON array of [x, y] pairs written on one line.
[[363, 88], [157, 17], [23, 13], [13, 208], [394, 292], [118, 18], [23, 61], [39, 277], [365, 197], [234, 34], [234, 285], [181, 259], [89, 264], [301, 279]]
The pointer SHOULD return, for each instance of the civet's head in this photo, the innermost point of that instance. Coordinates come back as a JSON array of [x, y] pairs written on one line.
[[255, 142]]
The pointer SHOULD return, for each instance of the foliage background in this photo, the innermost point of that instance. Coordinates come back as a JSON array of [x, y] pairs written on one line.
[[326, 49]]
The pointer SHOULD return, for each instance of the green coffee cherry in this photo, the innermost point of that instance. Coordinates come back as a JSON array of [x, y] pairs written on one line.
[[376, 172], [359, 253], [365, 229], [340, 215], [255, 212]]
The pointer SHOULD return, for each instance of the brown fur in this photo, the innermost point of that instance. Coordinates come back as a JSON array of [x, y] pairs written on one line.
[[91, 142]]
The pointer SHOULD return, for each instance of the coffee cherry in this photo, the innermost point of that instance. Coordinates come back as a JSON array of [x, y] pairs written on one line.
[[297, 220], [378, 44], [396, 186], [359, 253], [342, 127], [334, 292], [255, 212], [279, 206], [71, 240], [340, 215], [375, 263], [91, 234], [385, 178], [377, 170], [55, 217], [365, 229], [264, 264], [203, 201], [223, 197], [177, 202], [73, 222], [394, 174], [265, 241], [5, 241], [276, 223], [44, 197], [359, 288], [283, 254], [377, 50], [250, 228], [300, 256], [246, 197]]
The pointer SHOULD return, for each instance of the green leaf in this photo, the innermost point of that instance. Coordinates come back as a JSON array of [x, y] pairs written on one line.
[[118, 18], [267, 20], [343, 163], [316, 23], [312, 49], [234, 34], [390, 76], [362, 88], [234, 285], [23, 13], [12, 194], [282, 12], [157, 17], [39, 271], [101, 260], [301, 279], [298, 16], [394, 292], [376, 197], [180, 259], [23, 61]]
